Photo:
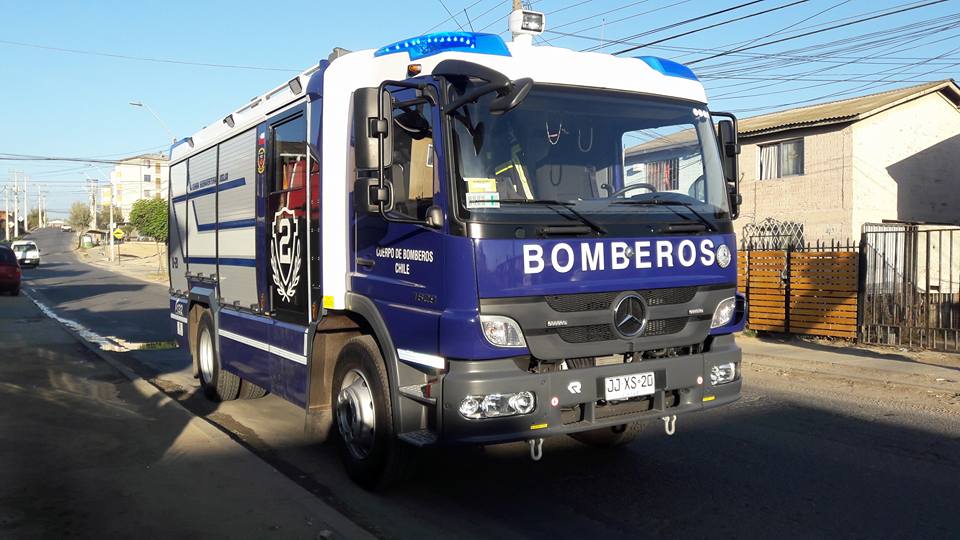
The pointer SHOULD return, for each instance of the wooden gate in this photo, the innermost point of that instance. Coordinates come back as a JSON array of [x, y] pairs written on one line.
[[801, 292]]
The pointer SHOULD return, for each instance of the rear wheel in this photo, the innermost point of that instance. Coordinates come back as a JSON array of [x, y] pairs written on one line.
[[368, 444], [248, 390], [217, 384], [15, 292], [610, 437]]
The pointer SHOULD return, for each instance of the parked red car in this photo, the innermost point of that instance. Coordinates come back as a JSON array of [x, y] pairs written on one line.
[[9, 271]]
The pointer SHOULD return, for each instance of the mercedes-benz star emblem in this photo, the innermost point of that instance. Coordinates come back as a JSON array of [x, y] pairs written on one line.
[[629, 317]]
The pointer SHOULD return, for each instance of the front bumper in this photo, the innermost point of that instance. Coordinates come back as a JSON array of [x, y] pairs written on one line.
[[677, 392]]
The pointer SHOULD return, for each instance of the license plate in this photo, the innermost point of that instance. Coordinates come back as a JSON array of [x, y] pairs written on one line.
[[627, 386]]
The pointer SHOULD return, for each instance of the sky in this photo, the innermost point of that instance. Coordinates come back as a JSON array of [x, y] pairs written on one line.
[[58, 102]]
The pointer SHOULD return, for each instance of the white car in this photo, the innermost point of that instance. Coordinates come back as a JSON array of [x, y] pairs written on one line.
[[66, 228], [27, 252]]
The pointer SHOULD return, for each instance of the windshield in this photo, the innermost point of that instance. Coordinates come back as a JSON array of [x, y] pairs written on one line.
[[24, 247], [612, 157]]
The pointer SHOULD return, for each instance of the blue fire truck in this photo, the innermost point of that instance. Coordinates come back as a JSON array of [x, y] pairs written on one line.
[[456, 240]]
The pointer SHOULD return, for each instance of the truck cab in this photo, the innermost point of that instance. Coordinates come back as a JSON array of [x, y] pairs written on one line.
[[475, 242]]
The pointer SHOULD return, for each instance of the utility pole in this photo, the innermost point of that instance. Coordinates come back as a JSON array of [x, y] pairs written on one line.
[[6, 213], [26, 206], [110, 226], [16, 205]]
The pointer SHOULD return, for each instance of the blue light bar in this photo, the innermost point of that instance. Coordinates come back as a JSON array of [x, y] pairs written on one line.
[[431, 44], [669, 67]]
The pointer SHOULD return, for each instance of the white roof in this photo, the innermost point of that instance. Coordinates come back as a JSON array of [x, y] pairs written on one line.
[[543, 64]]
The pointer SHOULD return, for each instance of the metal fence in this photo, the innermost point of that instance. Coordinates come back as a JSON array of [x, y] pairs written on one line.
[[910, 286]]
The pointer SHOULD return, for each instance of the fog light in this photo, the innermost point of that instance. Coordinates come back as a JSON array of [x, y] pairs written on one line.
[[470, 407], [723, 373], [495, 405], [522, 402]]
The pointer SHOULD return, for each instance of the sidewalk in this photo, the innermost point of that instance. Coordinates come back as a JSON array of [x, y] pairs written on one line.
[[137, 260], [88, 452], [930, 370]]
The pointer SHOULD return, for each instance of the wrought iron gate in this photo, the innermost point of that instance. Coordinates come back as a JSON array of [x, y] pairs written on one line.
[[910, 286]]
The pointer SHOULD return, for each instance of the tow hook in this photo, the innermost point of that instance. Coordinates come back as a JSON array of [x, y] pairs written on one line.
[[536, 449], [669, 424]]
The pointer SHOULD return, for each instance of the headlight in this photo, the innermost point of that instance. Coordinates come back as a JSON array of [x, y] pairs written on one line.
[[497, 405], [724, 312], [502, 331]]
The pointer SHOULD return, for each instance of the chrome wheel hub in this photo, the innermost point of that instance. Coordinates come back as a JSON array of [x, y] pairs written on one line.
[[206, 356], [356, 414]]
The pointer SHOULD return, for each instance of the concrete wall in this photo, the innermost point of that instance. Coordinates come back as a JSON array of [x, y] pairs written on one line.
[[821, 198], [907, 163]]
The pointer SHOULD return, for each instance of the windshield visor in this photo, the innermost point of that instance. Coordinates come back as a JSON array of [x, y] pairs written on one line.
[[615, 157]]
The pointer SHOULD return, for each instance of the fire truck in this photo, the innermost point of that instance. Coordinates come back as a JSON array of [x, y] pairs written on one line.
[[453, 239]]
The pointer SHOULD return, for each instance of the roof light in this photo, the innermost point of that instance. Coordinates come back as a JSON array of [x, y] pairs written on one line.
[[527, 22], [669, 67], [431, 44]]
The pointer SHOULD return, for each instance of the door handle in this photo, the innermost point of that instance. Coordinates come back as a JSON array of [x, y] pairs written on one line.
[[366, 263]]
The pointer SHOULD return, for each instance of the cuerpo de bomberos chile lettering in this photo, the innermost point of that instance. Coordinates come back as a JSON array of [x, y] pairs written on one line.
[[404, 254], [597, 256]]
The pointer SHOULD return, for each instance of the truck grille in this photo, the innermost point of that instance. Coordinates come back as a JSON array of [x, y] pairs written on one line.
[[569, 303], [604, 332]]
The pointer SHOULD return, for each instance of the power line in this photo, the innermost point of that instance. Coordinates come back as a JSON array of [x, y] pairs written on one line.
[[680, 23], [444, 5], [448, 19], [805, 34], [708, 27], [142, 58]]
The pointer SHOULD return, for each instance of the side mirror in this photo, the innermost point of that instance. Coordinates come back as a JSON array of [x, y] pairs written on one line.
[[372, 110], [729, 157], [434, 217], [370, 193], [517, 93]]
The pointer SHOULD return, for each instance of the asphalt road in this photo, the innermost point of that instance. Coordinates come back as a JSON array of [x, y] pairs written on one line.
[[793, 460]]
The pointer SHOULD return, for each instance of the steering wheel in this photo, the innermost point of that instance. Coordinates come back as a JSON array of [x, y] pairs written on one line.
[[621, 191]]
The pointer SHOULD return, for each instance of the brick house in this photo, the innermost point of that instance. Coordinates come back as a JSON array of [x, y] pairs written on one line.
[[832, 167]]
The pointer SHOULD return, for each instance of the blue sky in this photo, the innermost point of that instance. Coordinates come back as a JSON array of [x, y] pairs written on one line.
[[59, 103]]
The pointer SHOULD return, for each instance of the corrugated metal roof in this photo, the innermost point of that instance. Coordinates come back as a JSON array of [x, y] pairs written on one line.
[[847, 110]]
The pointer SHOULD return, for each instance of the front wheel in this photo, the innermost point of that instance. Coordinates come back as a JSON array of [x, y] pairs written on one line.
[[610, 437], [368, 444]]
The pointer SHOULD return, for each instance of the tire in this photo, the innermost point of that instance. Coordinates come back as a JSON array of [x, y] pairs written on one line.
[[610, 437], [248, 390], [372, 455], [217, 384], [15, 292]]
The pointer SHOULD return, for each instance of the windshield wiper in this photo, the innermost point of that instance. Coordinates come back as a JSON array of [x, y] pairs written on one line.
[[668, 203], [550, 203]]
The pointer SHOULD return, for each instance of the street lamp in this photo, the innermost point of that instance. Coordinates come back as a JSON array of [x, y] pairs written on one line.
[[162, 123]]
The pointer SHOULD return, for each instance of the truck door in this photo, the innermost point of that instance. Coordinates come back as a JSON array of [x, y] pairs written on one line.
[[399, 264], [287, 219], [286, 251]]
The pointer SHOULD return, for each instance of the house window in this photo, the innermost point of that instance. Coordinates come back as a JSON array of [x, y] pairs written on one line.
[[781, 159], [664, 174], [146, 178]]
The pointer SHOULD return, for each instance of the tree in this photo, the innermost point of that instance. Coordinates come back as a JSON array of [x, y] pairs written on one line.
[[33, 219], [149, 216], [80, 216], [103, 216]]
